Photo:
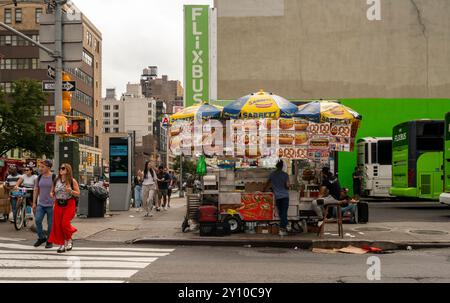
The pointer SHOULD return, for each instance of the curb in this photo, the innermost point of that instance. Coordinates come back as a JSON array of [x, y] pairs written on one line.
[[300, 244]]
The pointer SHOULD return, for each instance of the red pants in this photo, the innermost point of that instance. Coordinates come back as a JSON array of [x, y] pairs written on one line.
[[62, 230]]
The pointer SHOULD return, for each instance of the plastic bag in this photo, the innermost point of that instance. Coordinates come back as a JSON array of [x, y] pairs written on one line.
[[99, 192]]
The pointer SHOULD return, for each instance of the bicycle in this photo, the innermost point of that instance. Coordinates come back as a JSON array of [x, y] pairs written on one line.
[[20, 219]]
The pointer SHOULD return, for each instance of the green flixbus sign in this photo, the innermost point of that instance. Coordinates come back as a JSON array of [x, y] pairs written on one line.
[[196, 50]]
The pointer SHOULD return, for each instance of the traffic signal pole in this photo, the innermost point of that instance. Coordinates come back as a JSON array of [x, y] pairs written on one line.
[[58, 55], [58, 71]]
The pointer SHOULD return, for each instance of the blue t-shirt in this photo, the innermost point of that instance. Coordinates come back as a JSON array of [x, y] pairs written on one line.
[[45, 187], [279, 179]]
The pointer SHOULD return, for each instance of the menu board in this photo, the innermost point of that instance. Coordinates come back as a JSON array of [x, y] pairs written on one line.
[[289, 138], [257, 206]]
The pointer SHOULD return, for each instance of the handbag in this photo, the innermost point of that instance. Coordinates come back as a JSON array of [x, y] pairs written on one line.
[[62, 202]]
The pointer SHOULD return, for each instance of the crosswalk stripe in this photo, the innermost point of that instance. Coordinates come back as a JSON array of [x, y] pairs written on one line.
[[11, 239], [25, 273], [65, 264], [26, 247], [82, 258], [26, 264], [74, 252]]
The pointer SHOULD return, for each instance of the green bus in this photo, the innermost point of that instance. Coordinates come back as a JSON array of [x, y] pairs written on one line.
[[445, 197], [417, 156]]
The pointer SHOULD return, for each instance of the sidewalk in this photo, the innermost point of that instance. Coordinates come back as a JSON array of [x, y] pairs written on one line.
[[165, 228]]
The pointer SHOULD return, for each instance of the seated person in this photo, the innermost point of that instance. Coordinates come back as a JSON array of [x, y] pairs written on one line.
[[348, 206]]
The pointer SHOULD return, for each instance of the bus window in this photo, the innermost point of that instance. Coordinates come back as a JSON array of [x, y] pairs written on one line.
[[430, 137], [366, 153], [385, 152], [373, 148]]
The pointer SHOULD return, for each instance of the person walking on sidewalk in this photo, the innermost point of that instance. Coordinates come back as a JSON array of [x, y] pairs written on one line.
[[65, 190], [163, 185], [279, 181], [149, 188], [11, 182], [138, 190], [43, 202]]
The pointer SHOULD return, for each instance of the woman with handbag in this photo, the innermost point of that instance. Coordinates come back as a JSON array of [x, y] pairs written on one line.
[[149, 188], [65, 190]]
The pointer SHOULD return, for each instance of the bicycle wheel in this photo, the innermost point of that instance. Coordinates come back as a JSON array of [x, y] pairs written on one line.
[[19, 220]]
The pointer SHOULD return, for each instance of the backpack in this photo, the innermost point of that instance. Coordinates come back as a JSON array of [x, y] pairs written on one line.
[[40, 176]]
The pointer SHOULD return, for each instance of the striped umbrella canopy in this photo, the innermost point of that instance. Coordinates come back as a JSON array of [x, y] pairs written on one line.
[[200, 111], [327, 111], [260, 105]]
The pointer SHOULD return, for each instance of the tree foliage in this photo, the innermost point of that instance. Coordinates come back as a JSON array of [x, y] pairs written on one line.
[[20, 119]]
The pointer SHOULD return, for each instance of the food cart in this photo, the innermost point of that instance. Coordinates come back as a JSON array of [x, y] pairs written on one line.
[[306, 138]]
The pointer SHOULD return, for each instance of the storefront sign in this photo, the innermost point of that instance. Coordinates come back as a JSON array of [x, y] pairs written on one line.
[[196, 37]]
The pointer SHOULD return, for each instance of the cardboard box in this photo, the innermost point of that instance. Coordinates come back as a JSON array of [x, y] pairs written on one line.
[[254, 187], [3, 192], [5, 206]]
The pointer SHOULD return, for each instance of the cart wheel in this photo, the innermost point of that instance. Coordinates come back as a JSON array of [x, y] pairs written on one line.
[[185, 225], [235, 224], [296, 227]]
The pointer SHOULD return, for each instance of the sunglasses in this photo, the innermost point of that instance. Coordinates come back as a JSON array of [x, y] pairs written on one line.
[[62, 168]]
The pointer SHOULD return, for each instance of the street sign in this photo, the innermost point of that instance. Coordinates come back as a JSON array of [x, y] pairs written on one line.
[[165, 121], [68, 86], [73, 39], [51, 72], [50, 128]]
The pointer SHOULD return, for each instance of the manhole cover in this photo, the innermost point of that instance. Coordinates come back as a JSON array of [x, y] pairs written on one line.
[[428, 232], [273, 251], [372, 229]]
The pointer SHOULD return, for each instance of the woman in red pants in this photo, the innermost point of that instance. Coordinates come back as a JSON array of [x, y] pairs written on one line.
[[65, 189]]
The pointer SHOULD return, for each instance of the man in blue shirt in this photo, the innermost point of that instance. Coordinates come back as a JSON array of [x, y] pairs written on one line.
[[279, 181]]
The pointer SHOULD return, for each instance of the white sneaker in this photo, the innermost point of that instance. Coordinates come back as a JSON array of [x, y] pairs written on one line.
[[283, 233]]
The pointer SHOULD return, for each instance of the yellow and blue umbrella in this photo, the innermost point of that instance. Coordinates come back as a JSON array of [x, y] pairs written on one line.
[[199, 111], [327, 111], [260, 105]]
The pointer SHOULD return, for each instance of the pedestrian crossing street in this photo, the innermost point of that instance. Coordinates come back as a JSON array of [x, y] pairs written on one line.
[[26, 264]]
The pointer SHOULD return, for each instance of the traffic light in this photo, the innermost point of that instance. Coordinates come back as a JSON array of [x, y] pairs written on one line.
[[66, 97], [62, 124], [80, 127]]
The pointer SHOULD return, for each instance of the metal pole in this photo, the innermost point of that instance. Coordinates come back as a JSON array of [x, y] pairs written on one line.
[[181, 176], [58, 70], [25, 37]]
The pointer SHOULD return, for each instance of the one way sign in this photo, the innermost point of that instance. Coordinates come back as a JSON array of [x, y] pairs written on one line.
[[68, 86]]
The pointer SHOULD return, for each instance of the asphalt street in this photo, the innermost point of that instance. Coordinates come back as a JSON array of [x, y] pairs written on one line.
[[102, 262], [420, 211]]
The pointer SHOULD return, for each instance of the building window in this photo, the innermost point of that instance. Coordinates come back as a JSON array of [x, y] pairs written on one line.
[[38, 14], [150, 120], [18, 15], [149, 128], [8, 16], [87, 58], [116, 121], [106, 122], [107, 130], [106, 115], [16, 64], [116, 107], [116, 115], [6, 87], [106, 107], [116, 130]]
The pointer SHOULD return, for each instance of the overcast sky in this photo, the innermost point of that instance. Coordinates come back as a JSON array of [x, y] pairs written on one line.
[[136, 34]]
